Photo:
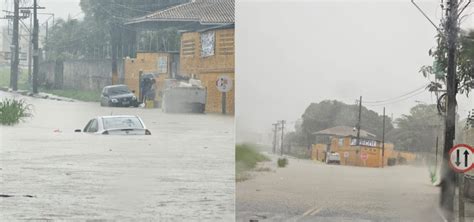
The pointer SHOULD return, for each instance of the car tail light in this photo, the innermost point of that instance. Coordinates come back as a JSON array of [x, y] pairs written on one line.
[[147, 132], [105, 133]]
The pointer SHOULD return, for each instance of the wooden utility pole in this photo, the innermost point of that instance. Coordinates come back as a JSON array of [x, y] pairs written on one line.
[[436, 154], [358, 121], [383, 138], [275, 131], [30, 51], [15, 47], [35, 47], [282, 133], [358, 127], [114, 43], [448, 176]]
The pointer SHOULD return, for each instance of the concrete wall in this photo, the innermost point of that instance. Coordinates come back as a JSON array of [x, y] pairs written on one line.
[[79, 74]]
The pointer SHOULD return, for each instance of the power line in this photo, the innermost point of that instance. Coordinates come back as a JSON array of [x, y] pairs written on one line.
[[400, 96], [397, 101]]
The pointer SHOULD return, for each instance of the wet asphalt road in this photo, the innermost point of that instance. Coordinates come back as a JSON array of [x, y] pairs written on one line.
[[312, 191], [184, 171]]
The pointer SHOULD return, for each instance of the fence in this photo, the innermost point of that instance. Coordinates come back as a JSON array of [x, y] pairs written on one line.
[[78, 74]]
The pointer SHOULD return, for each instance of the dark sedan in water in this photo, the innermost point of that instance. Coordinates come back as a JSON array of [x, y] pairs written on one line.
[[118, 95]]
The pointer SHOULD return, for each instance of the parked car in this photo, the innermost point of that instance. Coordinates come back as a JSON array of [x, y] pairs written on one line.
[[333, 158], [116, 125], [118, 95]]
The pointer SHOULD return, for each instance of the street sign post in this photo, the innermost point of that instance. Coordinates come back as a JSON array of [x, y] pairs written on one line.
[[364, 157], [346, 155], [224, 85], [461, 158]]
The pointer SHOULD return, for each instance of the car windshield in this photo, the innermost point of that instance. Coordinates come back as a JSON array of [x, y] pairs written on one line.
[[118, 90], [122, 123]]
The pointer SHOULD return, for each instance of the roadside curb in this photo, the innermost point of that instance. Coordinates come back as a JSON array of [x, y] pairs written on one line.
[[39, 95]]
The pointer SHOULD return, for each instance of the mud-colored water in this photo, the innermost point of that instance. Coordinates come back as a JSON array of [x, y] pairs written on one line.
[[183, 171]]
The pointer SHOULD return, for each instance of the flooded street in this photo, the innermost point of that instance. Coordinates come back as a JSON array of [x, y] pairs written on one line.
[[312, 191], [183, 171]]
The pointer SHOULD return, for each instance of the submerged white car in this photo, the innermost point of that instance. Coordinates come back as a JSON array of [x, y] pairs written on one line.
[[116, 125]]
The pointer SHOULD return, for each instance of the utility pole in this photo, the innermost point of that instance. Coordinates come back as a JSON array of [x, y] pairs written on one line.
[[448, 175], [358, 129], [275, 131], [30, 51], [358, 122], [15, 48], [282, 133], [35, 48], [383, 138], [436, 156]]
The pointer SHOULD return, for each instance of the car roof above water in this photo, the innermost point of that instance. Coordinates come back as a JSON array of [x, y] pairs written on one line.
[[118, 116], [113, 86]]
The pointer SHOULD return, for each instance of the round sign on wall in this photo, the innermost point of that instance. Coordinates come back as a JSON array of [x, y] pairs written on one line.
[[364, 156], [224, 83]]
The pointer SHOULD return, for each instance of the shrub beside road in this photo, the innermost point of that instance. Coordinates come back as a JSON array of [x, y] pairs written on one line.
[[12, 111], [246, 158]]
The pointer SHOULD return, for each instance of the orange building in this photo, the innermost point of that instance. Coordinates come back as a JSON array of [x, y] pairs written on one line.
[[208, 54], [162, 65], [207, 44], [343, 140]]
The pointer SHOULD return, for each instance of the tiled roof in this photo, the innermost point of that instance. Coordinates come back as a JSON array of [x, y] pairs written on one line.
[[202, 11], [344, 131]]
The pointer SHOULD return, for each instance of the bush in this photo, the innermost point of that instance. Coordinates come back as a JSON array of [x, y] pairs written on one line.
[[12, 111], [282, 162], [246, 157], [391, 161]]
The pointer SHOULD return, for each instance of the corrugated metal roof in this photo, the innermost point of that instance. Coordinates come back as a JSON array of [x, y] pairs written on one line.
[[202, 11], [344, 131]]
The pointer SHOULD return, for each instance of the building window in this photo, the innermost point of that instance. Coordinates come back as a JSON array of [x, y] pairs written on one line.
[[163, 64], [225, 44], [188, 48], [207, 44], [341, 141]]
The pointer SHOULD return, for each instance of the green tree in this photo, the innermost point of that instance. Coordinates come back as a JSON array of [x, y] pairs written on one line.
[[417, 131], [331, 113], [464, 62], [103, 33]]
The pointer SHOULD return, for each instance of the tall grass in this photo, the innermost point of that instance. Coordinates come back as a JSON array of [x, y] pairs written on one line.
[[282, 162], [13, 111], [246, 158]]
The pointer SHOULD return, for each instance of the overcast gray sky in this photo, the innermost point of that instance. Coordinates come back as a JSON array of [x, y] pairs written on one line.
[[61, 8], [290, 54]]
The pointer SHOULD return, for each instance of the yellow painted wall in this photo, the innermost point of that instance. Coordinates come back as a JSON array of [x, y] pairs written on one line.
[[374, 153], [148, 63], [214, 97], [317, 151], [208, 69]]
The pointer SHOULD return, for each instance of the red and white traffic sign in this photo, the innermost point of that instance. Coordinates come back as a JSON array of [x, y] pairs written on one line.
[[364, 156], [224, 83], [461, 158]]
